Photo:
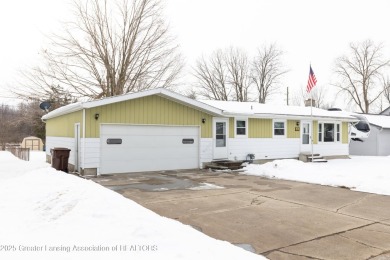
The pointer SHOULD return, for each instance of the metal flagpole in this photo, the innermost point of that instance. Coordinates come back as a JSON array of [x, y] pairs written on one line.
[[311, 84], [312, 125]]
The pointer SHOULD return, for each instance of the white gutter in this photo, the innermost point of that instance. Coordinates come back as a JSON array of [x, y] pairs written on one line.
[[292, 117]]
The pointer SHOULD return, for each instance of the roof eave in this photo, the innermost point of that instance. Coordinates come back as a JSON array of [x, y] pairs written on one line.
[[191, 102], [59, 112], [158, 91], [286, 116]]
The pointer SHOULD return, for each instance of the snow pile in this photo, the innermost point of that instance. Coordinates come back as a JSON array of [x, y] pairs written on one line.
[[360, 173], [47, 214]]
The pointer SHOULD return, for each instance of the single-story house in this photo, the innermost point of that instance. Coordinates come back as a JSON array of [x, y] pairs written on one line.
[[161, 130], [378, 142]]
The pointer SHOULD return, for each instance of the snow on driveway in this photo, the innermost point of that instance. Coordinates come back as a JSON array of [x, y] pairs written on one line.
[[47, 214], [360, 173]]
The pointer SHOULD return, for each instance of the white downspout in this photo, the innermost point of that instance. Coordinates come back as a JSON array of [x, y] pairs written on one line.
[[83, 143]]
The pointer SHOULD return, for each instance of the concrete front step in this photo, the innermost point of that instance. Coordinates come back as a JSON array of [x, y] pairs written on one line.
[[319, 160], [311, 157]]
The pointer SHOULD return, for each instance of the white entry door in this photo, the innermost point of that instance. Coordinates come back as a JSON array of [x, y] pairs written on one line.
[[220, 138], [306, 137]]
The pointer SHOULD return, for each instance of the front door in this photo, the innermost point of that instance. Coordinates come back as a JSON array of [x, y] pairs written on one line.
[[306, 133], [220, 139]]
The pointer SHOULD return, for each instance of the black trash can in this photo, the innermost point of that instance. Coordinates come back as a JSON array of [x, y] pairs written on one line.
[[60, 158]]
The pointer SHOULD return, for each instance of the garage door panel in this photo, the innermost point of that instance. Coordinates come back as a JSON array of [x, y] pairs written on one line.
[[148, 148], [168, 153], [146, 141], [149, 130]]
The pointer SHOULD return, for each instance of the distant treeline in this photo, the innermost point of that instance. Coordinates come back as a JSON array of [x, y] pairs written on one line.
[[18, 122]]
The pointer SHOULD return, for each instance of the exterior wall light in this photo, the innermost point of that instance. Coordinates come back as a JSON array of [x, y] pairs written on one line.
[[203, 120], [96, 116]]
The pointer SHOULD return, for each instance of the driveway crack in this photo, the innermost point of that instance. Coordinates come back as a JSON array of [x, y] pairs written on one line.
[[383, 253], [354, 202], [307, 256], [360, 242], [257, 201], [318, 238]]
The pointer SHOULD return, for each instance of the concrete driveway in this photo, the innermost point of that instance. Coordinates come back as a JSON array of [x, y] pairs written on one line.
[[278, 219]]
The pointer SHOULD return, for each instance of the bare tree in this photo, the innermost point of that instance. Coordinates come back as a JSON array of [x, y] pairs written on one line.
[[224, 76], [238, 77], [20, 121], [192, 94], [7, 125], [319, 94], [267, 70], [360, 73], [110, 48], [386, 88], [29, 120], [212, 76]]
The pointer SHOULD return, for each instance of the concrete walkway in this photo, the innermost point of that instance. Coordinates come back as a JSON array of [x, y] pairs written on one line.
[[275, 218]]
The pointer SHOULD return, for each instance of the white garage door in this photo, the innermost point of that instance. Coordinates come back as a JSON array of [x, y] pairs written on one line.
[[135, 148]]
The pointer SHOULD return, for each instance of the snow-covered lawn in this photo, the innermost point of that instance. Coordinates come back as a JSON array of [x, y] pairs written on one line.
[[360, 173], [47, 214]]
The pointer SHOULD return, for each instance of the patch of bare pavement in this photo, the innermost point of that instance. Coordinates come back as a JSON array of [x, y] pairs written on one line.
[[275, 218]]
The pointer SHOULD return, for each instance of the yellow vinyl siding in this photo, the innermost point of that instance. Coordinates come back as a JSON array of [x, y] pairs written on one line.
[[315, 132], [231, 127], [63, 126], [344, 133], [153, 110], [291, 132], [260, 128]]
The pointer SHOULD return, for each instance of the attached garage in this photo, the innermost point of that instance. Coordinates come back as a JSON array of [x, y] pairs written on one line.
[[139, 148]]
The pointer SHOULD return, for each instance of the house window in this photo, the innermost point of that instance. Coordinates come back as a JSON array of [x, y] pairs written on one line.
[[338, 132], [329, 132], [279, 128], [241, 126]]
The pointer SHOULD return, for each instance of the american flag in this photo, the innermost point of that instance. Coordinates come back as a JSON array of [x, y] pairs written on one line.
[[311, 83]]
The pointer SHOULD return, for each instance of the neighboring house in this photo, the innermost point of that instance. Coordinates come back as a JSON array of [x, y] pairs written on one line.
[[385, 112], [378, 142], [32, 142], [162, 130]]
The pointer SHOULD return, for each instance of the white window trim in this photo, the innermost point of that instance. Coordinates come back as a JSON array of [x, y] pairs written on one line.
[[320, 141], [246, 127], [285, 128], [340, 132], [335, 123]]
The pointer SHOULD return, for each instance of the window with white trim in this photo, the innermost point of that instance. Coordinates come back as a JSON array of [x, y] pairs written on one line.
[[279, 128], [329, 132], [320, 133], [241, 127]]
